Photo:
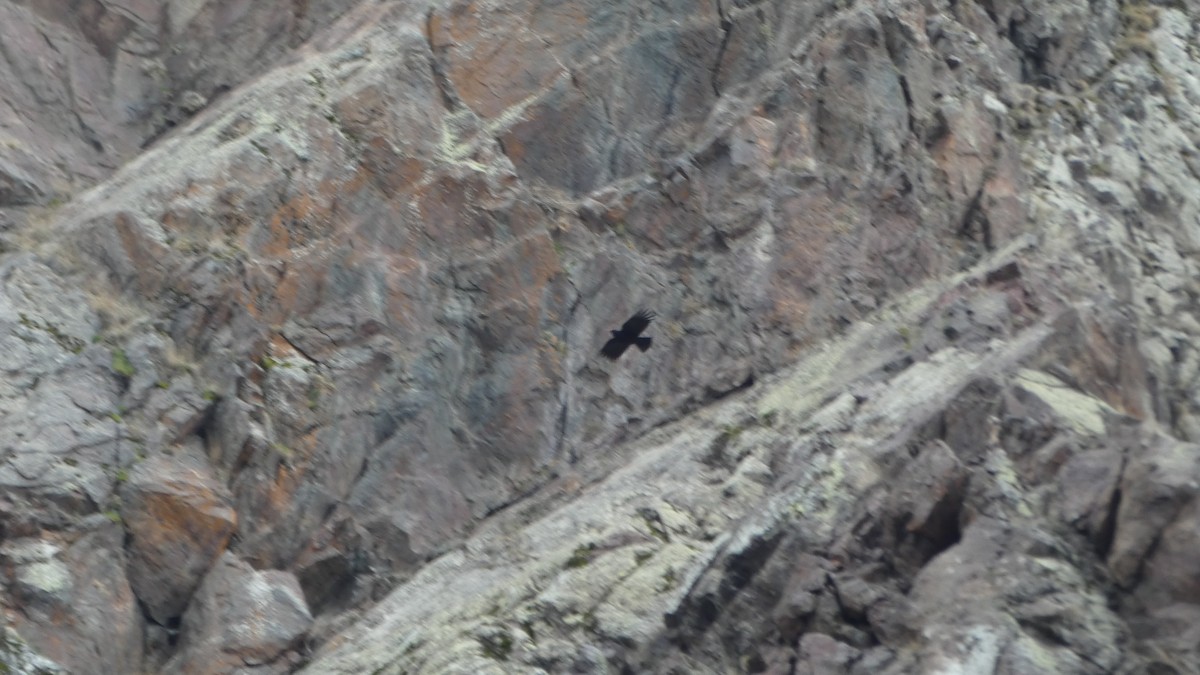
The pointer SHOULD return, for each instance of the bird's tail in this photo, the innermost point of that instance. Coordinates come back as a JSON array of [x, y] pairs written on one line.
[[643, 343]]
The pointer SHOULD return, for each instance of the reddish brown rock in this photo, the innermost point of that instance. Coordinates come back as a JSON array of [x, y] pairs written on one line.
[[179, 519]]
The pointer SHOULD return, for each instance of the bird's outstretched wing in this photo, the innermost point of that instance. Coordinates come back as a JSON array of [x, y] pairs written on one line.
[[637, 323], [615, 347]]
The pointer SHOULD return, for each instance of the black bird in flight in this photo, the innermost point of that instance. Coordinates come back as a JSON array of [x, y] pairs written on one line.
[[629, 335]]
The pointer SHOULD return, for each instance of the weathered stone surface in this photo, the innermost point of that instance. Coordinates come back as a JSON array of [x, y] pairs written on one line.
[[1157, 487], [329, 568], [467, 433], [16, 655], [241, 620], [179, 519], [106, 78], [819, 653], [940, 259], [928, 497], [714, 591], [59, 429], [70, 601]]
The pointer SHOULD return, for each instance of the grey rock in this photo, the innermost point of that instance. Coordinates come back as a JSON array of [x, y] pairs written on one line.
[[1159, 481], [16, 655], [330, 288], [1109, 191], [73, 601], [104, 79], [822, 655], [17, 188], [241, 618]]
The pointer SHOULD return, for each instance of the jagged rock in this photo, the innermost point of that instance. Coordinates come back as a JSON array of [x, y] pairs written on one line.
[[327, 570], [1161, 479], [37, 572], [1168, 573], [241, 619], [820, 654], [936, 260], [19, 659], [58, 404], [927, 498], [72, 603], [1086, 491], [104, 78], [16, 187], [365, 322], [964, 595], [1170, 633], [1154, 546], [179, 518]]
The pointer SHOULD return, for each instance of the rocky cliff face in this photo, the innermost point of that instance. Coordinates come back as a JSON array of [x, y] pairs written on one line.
[[300, 305]]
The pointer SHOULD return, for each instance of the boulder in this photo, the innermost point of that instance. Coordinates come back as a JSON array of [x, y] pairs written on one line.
[[179, 518], [242, 620]]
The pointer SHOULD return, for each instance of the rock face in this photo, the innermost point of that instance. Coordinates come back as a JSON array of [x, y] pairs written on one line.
[[317, 328], [84, 85]]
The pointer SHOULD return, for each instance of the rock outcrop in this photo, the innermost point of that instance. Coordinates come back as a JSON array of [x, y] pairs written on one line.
[[300, 306]]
